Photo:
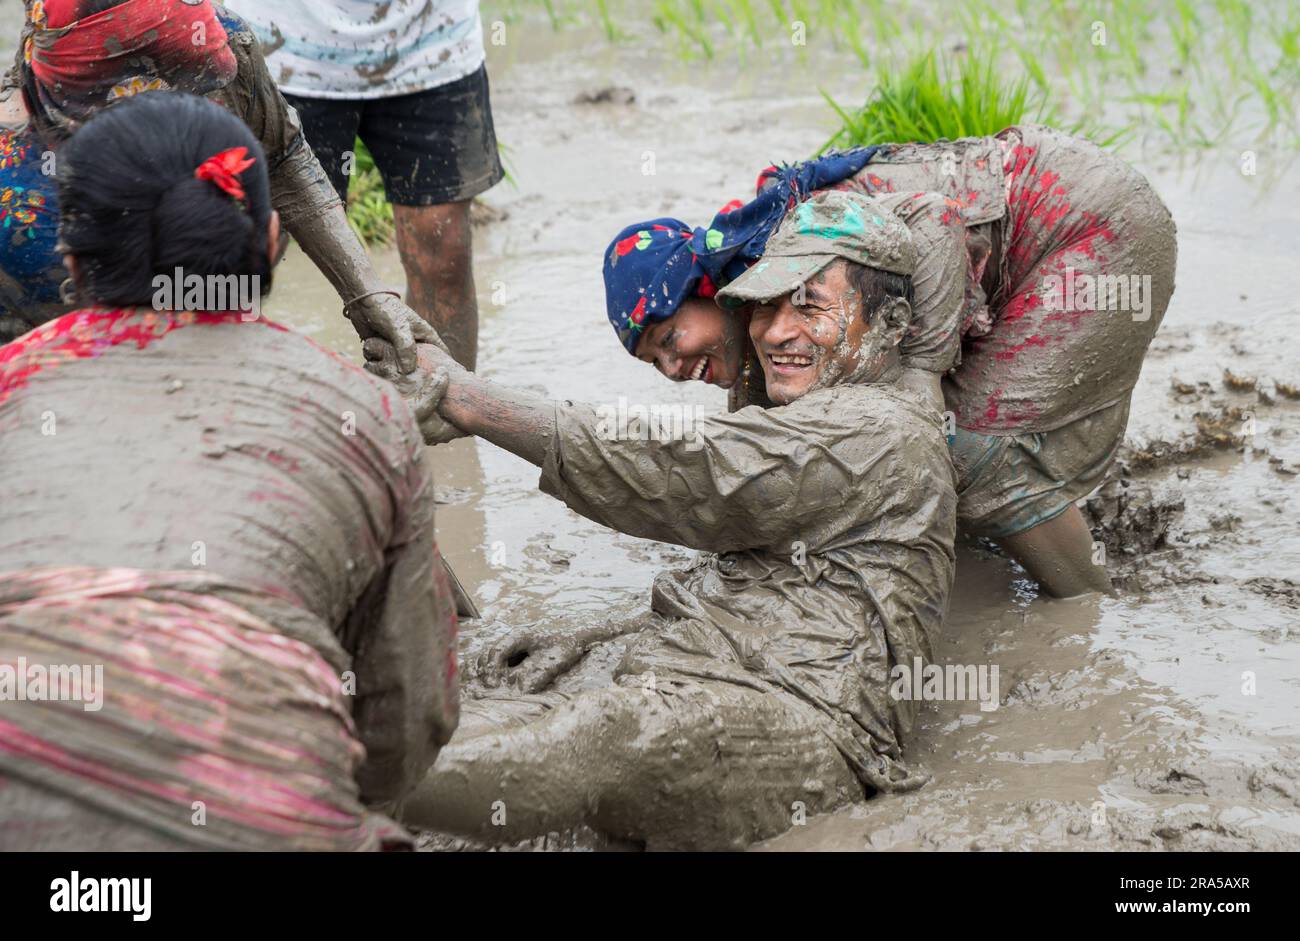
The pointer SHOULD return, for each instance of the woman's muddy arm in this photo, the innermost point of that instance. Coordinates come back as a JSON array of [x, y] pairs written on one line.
[[403, 641], [312, 212], [12, 78]]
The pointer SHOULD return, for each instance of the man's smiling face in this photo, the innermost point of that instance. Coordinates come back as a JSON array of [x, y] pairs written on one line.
[[699, 341], [806, 342]]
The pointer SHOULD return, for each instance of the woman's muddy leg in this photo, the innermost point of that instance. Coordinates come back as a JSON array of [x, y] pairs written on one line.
[[1059, 555], [675, 767]]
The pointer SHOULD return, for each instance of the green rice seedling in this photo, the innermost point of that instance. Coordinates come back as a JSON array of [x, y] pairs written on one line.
[[550, 12], [845, 24], [747, 18], [1288, 47], [369, 213], [669, 14], [1268, 96], [612, 32], [932, 98], [881, 14], [507, 164], [1184, 30], [799, 10]]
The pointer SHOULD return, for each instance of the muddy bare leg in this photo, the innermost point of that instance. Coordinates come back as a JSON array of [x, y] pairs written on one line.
[[436, 245], [1058, 555], [686, 767]]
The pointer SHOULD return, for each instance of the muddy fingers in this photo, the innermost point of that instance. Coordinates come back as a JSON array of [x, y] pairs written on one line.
[[532, 659], [423, 389], [529, 661]]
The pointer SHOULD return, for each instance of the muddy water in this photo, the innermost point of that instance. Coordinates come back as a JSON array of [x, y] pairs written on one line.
[[1123, 723]]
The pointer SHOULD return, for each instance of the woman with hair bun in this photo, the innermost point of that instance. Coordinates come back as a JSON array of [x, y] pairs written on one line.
[[221, 532]]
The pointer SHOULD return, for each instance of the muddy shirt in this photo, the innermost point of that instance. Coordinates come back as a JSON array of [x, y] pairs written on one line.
[[361, 49], [155, 442], [967, 171], [830, 522], [933, 340], [1049, 218]]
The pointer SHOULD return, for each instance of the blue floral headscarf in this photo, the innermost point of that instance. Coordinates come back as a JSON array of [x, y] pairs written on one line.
[[651, 267]]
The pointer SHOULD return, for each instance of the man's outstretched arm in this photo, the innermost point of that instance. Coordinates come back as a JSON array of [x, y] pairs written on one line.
[[442, 391], [725, 483]]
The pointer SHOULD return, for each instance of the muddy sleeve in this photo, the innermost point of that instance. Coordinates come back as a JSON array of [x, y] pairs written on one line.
[[404, 651], [254, 96], [933, 341], [309, 206], [752, 479]]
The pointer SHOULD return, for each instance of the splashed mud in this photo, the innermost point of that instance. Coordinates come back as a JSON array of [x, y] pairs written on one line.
[[1163, 718], [1173, 707]]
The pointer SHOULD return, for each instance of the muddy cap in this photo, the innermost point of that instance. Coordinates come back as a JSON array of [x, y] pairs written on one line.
[[832, 224]]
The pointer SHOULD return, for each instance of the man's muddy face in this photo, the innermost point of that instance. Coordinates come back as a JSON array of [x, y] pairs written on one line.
[[809, 341], [699, 341]]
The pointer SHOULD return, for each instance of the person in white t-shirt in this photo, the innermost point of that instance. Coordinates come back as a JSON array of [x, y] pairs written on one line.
[[409, 79]]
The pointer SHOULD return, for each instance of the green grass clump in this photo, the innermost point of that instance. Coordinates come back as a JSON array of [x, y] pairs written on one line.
[[934, 97], [369, 213]]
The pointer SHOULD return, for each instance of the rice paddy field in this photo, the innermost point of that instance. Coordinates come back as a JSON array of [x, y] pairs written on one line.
[[1125, 722], [1176, 73], [1174, 76]]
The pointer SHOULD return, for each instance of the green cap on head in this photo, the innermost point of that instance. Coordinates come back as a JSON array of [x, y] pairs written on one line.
[[832, 224]]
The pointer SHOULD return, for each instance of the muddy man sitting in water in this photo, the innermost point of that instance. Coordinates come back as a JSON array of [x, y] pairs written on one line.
[[1045, 266], [761, 681]]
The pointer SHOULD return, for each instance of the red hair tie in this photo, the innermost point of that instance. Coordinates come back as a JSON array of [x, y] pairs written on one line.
[[224, 169]]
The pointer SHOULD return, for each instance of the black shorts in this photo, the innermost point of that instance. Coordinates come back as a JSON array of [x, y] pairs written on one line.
[[431, 147]]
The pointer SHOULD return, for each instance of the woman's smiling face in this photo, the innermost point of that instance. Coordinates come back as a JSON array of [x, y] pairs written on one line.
[[699, 341]]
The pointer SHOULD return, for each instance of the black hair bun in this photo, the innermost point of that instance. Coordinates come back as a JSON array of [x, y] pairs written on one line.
[[133, 208]]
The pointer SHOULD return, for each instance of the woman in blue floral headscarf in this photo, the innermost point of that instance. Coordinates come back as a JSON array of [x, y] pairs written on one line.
[[1010, 338]]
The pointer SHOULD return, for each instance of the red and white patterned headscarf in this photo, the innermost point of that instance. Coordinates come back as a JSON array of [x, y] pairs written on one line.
[[79, 60]]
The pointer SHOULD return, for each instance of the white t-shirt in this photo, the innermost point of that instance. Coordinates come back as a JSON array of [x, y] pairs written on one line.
[[365, 48]]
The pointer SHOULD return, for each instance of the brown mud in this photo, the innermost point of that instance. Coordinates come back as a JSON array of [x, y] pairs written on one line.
[[1163, 718], [1173, 705]]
